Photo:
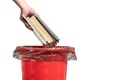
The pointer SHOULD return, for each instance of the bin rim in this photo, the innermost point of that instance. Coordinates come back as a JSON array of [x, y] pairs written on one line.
[[40, 53]]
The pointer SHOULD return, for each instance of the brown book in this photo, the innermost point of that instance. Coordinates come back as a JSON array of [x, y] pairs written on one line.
[[47, 28], [42, 31]]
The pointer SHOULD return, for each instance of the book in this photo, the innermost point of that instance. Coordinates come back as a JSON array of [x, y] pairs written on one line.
[[42, 31]]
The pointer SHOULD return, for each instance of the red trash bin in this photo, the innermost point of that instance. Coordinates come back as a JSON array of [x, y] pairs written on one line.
[[40, 63]]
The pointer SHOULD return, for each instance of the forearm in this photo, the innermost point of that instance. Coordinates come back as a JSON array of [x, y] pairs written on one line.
[[21, 3]]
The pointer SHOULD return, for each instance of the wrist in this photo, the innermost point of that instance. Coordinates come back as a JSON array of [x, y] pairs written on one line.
[[22, 4]]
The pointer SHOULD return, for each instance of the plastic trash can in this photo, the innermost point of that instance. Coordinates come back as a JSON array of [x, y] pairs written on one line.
[[40, 63]]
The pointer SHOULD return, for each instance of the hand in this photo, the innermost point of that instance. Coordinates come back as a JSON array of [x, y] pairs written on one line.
[[27, 11]]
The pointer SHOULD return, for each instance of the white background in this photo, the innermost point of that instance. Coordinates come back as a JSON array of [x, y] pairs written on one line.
[[91, 26]]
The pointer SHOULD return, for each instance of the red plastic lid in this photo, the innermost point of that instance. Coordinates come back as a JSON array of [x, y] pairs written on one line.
[[40, 53]]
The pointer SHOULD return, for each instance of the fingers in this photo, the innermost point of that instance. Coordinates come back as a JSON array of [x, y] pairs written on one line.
[[25, 23], [28, 26], [27, 13]]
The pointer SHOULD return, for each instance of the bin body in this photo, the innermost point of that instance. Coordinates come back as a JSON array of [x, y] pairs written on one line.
[[40, 63], [37, 70]]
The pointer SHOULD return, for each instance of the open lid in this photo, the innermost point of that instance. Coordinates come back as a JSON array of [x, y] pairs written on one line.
[[40, 53]]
